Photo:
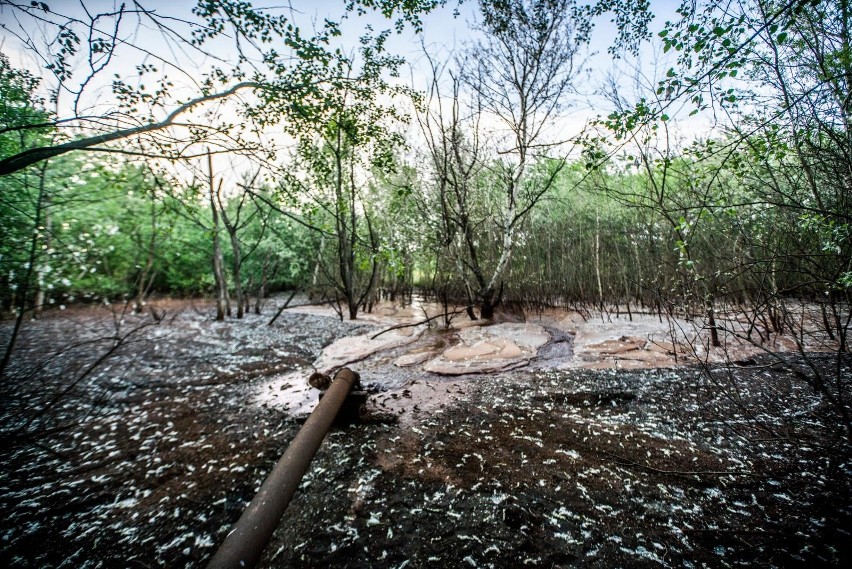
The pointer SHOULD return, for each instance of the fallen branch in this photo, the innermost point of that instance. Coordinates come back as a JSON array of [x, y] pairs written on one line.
[[413, 324], [739, 531], [280, 310], [650, 468]]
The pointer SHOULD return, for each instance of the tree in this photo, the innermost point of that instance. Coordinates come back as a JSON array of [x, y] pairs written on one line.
[[80, 47], [338, 150], [214, 192], [24, 203], [776, 76], [518, 75], [236, 221]]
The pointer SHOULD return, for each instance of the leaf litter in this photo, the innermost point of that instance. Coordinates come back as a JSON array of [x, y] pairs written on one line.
[[547, 465]]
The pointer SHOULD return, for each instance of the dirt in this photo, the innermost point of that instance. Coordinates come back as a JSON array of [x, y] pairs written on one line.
[[488, 349], [150, 458]]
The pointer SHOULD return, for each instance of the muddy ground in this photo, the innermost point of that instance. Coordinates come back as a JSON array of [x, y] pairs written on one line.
[[147, 457]]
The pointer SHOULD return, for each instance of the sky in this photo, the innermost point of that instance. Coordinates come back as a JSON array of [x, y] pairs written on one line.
[[442, 30]]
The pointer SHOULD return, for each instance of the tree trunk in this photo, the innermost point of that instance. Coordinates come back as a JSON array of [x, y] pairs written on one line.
[[598, 259], [318, 262], [247, 297], [261, 289], [237, 250], [281, 309], [487, 304], [222, 301], [231, 228], [711, 322], [146, 278], [23, 287], [40, 296]]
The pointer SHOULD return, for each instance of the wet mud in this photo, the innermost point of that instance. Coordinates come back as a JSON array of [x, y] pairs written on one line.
[[543, 461]]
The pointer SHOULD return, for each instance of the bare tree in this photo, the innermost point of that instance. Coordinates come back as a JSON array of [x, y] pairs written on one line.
[[223, 302], [234, 223], [341, 201], [518, 78], [456, 158], [522, 72]]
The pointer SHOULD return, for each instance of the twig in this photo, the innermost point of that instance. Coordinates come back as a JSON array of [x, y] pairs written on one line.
[[767, 533], [280, 310], [412, 324], [677, 472]]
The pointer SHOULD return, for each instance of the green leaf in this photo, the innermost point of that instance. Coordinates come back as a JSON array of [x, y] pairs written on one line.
[[781, 37]]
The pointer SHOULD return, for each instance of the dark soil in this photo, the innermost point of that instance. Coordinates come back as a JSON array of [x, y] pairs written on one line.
[[148, 459], [576, 468]]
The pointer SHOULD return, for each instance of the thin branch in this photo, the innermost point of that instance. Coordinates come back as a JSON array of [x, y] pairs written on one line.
[[32, 156], [413, 324]]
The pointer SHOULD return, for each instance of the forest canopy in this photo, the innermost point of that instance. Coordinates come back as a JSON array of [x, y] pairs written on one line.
[[469, 186]]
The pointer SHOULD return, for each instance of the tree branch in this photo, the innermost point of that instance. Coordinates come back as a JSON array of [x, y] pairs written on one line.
[[32, 156]]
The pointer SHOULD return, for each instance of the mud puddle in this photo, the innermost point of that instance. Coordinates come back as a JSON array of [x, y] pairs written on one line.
[[411, 362]]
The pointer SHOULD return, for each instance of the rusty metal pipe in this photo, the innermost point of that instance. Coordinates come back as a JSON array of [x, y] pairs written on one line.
[[246, 542]]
